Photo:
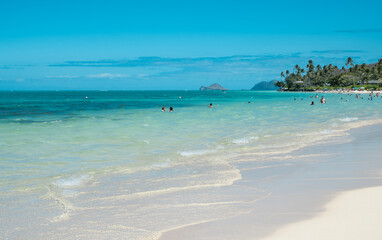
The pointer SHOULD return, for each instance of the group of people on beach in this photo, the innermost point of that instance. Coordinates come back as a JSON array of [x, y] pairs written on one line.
[[323, 100], [357, 96], [172, 109]]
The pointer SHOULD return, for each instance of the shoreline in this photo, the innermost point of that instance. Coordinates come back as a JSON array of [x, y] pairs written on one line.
[[339, 92], [351, 91], [304, 196]]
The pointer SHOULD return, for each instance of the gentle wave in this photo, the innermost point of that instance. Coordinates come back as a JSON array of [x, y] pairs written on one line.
[[195, 152], [244, 140], [72, 181], [349, 119]]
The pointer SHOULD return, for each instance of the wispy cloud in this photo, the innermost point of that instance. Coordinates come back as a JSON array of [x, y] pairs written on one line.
[[159, 61], [234, 72], [107, 75], [337, 51], [20, 66], [237, 68], [63, 76], [376, 30]]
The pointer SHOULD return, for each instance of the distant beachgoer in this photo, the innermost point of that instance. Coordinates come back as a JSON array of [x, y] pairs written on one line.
[[210, 105], [312, 103], [163, 109], [322, 100], [180, 97], [295, 99], [171, 109], [249, 102], [316, 96]]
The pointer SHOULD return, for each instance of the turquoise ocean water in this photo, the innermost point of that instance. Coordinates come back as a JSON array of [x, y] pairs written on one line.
[[113, 160]]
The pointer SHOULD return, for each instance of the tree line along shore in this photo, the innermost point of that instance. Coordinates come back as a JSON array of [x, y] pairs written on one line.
[[330, 77]]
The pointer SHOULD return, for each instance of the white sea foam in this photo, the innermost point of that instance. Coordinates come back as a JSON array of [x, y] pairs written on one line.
[[349, 119], [244, 140], [53, 121], [325, 131], [195, 152], [72, 181], [165, 164]]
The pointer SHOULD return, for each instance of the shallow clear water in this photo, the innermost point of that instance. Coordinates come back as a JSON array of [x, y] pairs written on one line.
[[67, 155]]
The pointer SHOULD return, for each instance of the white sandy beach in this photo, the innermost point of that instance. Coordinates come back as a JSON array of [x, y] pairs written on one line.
[[353, 214], [351, 91]]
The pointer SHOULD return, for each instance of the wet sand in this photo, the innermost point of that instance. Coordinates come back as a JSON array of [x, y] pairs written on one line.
[[310, 194]]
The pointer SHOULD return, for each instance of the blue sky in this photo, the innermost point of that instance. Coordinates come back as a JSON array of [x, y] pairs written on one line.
[[127, 45]]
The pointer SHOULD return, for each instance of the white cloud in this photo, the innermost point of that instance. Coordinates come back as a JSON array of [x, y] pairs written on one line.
[[142, 75], [63, 76], [107, 75]]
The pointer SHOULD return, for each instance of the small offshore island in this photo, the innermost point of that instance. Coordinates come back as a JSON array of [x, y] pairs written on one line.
[[329, 77]]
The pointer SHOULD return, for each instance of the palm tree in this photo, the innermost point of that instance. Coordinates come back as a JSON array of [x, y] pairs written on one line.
[[282, 75], [379, 68], [297, 68], [287, 73], [349, 62]]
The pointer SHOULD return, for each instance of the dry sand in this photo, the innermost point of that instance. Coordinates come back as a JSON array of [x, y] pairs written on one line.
[[353, 214]]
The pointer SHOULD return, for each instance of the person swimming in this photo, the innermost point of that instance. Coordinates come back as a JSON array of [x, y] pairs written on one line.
[[171, 109], [163, 109], [312, 103], [210, 105], [316, 96]]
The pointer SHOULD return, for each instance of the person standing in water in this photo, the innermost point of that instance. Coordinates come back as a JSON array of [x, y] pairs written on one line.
[[163, 109], [171, 109], [210, 105]]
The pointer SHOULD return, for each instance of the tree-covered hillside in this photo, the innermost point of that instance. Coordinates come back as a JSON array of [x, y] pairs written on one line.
[[316, 77]]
